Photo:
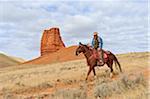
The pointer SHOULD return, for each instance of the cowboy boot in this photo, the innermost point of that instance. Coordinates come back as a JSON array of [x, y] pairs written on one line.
[[102, 56], [99, 61]]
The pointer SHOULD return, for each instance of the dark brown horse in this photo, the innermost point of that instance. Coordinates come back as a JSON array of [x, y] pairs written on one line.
[[92, 61]]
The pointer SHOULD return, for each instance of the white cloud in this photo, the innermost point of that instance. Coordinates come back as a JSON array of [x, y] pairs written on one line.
[[117, 21]]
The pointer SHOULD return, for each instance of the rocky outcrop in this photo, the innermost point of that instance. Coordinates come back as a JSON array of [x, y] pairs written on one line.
[[51, 41]]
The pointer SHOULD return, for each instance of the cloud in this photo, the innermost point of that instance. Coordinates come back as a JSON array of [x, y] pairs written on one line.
[[122, 24]]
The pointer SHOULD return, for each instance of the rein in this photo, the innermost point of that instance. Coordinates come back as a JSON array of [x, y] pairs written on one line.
[[88, 52]]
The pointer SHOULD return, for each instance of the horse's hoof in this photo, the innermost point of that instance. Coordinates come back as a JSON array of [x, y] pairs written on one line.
[[111, 75], [95, 77], [121, 71], [86, 79]]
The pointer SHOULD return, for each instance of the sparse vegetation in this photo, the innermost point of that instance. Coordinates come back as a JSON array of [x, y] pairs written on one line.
[[69, 94], [106, 89], [67, 80]]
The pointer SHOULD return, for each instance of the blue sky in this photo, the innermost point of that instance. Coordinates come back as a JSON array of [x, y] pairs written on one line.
[[123, 24]]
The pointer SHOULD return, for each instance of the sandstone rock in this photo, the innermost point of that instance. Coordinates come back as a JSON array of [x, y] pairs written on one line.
[[51, 41]]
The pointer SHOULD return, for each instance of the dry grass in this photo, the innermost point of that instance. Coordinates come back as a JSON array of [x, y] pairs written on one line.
[[69, 94], [125, 83], [67, 80], [39, 76]]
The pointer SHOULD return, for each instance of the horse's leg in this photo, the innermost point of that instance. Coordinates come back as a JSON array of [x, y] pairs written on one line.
[[87, 62], [110, 64], [90, 69], [94, 73]]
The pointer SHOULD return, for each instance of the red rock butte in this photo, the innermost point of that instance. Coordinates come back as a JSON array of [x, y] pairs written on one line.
[[51, 41], [53, 49]]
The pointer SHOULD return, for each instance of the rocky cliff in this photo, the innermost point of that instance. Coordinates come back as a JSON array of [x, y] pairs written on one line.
[[51, 41]]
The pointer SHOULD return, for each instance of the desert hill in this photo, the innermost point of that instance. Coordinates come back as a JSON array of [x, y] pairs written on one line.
[[62, 55], [21, 60], [9, 60], [66, 80]]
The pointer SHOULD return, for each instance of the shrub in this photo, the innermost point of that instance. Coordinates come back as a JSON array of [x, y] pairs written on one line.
[[45, 85], [69, 94], [106, 88], [102, 91]]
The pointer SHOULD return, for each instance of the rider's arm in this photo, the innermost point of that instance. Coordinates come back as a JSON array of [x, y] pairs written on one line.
[[92, 43], [101, 42]]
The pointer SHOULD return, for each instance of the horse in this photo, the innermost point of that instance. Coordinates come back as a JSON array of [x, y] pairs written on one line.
[[92, 61]]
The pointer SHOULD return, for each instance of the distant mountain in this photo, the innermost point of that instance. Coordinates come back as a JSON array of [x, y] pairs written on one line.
[[9, 60]]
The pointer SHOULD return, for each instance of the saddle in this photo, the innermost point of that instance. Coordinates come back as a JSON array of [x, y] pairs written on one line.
[[97, 55], [106, 53]]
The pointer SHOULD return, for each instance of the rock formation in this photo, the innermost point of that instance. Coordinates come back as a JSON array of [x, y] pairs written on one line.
[[51, 41]]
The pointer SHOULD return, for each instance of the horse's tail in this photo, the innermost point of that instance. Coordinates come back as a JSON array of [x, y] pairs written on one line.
[[117, 62]]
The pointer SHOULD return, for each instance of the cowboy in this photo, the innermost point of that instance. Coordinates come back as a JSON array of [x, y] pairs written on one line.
[[97, 43]]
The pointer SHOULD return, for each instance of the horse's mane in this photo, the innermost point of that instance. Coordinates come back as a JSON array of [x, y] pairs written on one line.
[[88, 47], [85, 46]]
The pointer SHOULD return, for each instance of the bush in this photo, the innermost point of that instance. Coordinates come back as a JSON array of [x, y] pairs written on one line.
[[102, 91], [104, 88], [45, 85], [69, 94]]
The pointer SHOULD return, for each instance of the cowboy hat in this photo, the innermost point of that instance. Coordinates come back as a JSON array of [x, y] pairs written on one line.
[[95, 33]]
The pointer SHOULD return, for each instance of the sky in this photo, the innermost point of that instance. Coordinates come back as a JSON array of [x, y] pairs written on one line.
[[122, 24]]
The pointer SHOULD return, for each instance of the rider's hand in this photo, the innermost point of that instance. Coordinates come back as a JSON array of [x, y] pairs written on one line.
[[99, 49]]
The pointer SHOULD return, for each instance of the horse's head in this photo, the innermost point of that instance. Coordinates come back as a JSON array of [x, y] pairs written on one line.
[[81, 49]]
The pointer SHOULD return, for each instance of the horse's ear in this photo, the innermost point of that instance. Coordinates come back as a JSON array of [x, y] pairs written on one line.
[[80, 43]]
